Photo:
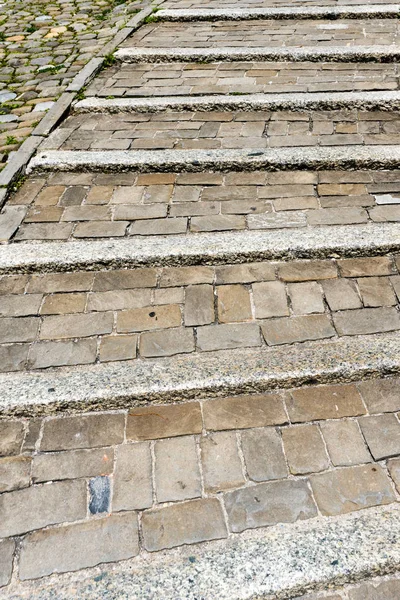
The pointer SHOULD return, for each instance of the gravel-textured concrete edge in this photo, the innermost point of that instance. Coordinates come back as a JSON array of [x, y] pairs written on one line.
[[380, 100], [368, 11], [182, 377], [280, 562], [235, 247], [306, 53]]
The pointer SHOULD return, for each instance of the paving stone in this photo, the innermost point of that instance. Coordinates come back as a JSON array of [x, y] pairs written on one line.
[[233, 304], [306, 298], [11, 437], [83, 431], [382, 434], [305, 449], [32, 435], [10, 219], [222, 468], [270, 300], [118, 347], [186, 523], [150, 317], [13, 358], [225, 336], [263, 454], [297, 329], [381, 395], [394, 470], [366, 320], [14, 473], [73, 326], [153, 422], [7, 548], [243, 412], [177, 472], [345, 444], [341, 294], [308, 270], [41, 505], [63, 353], [23, 329], [101, 229], [324, 402], [199, 305], [60, 282], [20, 306], [269, 503], [72, 464], [246, 273], [337, 216], [177, 276], [119, 300], [59, 304], [132, 488], [353, 488], [389, 590], [13, 284], [75, 547], [124, 279], [376, 291], [366, 267], [171, 226], [167, 342]]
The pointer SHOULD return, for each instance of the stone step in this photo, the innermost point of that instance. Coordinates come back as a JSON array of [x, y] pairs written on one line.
[[354, 53], [262, 4], [365, 11]]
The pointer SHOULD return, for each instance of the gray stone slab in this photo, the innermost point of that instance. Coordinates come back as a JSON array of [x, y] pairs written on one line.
[[368, 11], [165, 380], [306, 53], [86, 74], [10, 219], [19, 160], [203, 248], [55, 114], [279, 562], [291, 101]]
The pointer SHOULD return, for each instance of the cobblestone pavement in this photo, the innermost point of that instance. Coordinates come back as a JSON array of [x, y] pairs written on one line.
[[43, 45]]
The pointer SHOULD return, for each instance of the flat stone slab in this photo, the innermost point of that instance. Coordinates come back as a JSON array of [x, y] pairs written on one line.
[[203, 248], [384, 11], [290, 101], [283, 561], [165, 380], [307, 53]]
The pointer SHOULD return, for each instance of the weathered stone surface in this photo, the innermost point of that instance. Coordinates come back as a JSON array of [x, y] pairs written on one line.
[[151, 317], [297, 329], [233, 304], [388, 590], [381, 395], [263, 454], [324, 402], [72, 464], [14, 473], [6, 561], [199, 305], [132, 478], [306, 298], [222, 468], [394, 470], [366, 320], [153, 422], [242, 412], [341, 294], [11, 437], [305, 449], [177, 471], [382, 434], [166, 342], [270, 300], [86, 431], [345, 443], [227, 335]]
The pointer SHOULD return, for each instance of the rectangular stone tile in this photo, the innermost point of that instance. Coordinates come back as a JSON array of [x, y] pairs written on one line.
[[41, 505], [13, 284], [20, 306], [263, 454], [376, 291], [177, 472], [324, 402], [394, 469], [23, 329], [217, 223], [268, 504], [100, 229], [7, 548], [150, 317], [199, 305], [337, 216], [44, 231], [353, 488], [366, 267], [119, 299], [83, 431], [124, 279], [118, 347], [341, 294], [14, 473], [75, 326], [246, 273], [11, 437], [171, 226], [270, 300], [186, 523], [243, 412], [345, 443], [385, 590], [225, 336], [60, 282], [222, 468], [305, 449], [75, 547], [58, 304], [366, 320], [306, 298], [154, 422], [167, 342], [382, 434], [297, 329], [133, 487], [178, 276], [381, 395], [57, 354], [307, 270], [233, 303], [72, 464], [13, 357]]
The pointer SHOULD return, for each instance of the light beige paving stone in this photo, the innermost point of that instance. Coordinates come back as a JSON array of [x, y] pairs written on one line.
[[306, 298], [345, 444], [150, 317], [233, 303], [366, 320], [177, 276], [307, 270], [62, 353], [71, 548], [243, 412], [41, 505], [60, 282], [13, 284], [186, 523], [245, 273], [7, 548], [394, 470], [119, 299], [72, 464], [324, 402], [297, 329], [225, 336], [381, 395], [341, 294], [73, 326], [353, 488], [305, 449], [13, 357], [58, 304], [118, 347], [263, 454], [167, 342], [177, 470], [388, 590], [100, 229], [11, 437], [199, 305], [222, 469], [132, 489], [23, 329], [382, 434], [270, 300], [20, 306], [153, 422], [269, 503], [124, 279], [83, 431], [376, 291], [366, 267], [14, 473]]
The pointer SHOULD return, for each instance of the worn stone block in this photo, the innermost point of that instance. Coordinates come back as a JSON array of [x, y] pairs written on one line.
[[305, 449], [341, 294], [59, 304], [11, 437], [225, 336], [381, 395], [7, 548], [83, 431], [366, 267], [56, 354], [75, 326], [23, 329], [306, 298], [376, 291], [167, 342], [153, 422], [51, 283], [242, 412], [124, 279], [14, 473], [199, 305], [307, 270], [345, 443], [366, 320], [382, 434], [394, 470], [118, 347], [222, 468], [13, 357], [133, 488], [324, 402], [297, 329], [246, 273], [233, 303], [72, 464], [263, 454], [177, 472], [150, 317], [270, 300]]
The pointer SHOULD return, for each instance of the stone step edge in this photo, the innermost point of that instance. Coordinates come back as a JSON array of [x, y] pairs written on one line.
[[376, 100], [140, 382], [264, 53], [283, 561], [234, 247], [240, 159], [369, 11]]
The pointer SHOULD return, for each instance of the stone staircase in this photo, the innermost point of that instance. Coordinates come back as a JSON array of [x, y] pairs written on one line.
[[199, 332]]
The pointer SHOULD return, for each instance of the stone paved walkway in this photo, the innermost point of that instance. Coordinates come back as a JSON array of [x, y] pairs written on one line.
[[199, 362]]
